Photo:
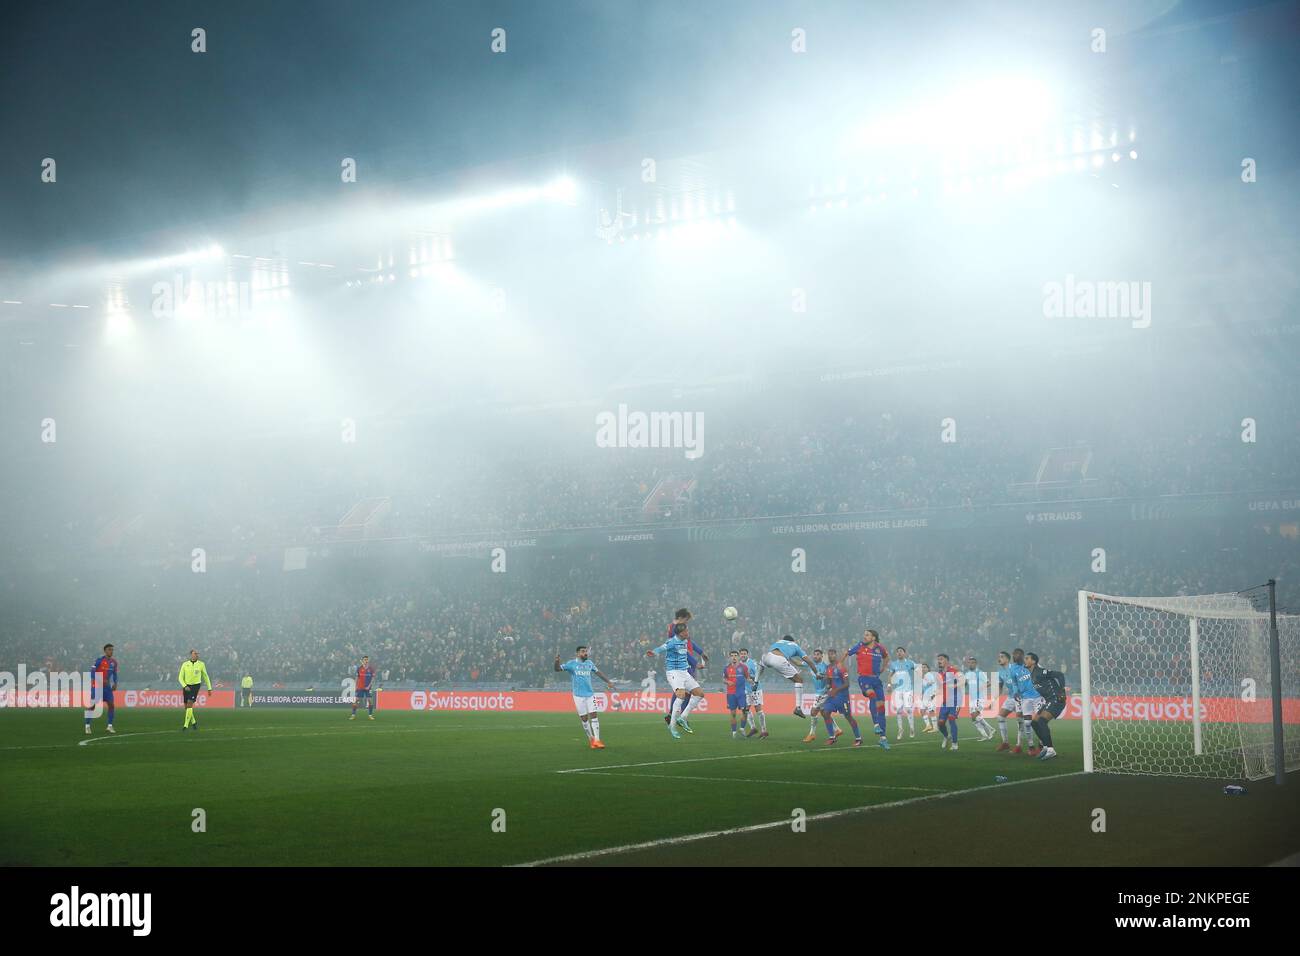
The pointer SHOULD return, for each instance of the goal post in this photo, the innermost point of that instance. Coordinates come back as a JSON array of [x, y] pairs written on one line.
[[1085, 682], [1198, 685]]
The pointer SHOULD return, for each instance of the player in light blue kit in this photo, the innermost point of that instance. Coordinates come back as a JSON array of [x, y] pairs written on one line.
[[786, 658], [753, 696], [1030, 701], [580, 669], [686, 689], [902, 681], [1010, 680], [821, 689], [976, 685]]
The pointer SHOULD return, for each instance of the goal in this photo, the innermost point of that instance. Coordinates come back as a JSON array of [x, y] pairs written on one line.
[[1185, 686]]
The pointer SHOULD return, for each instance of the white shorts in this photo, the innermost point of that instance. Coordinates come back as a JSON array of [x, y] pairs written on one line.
[[821, 699], [682, 680], [976, 708], [1030, 706], [780, 664], [585, 705], [902, 700], [927, 705], [754, 697]]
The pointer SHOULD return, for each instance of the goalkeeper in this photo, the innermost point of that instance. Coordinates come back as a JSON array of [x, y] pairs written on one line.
[[1051, 684]]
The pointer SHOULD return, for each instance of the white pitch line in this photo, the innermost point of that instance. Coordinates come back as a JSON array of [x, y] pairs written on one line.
[[769, 753], [801, 783], [223, 737], [318, 733], [663, 763], [754, 828], [138, 733], [219, 735], [96, 740]]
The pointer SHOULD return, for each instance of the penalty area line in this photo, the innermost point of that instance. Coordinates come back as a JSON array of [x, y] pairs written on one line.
[[766, 753], [775, 824], [799, 783]]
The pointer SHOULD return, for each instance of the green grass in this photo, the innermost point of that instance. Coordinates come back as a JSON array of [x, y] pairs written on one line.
[[289, 787]]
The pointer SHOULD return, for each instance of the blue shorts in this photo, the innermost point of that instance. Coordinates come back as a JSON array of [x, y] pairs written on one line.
[[947, 713], [107, 696], [840, 702], [866, 684], [736, 701], [362, 693]]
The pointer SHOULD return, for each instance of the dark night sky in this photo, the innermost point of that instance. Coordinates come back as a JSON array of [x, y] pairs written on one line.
[[150, 136]]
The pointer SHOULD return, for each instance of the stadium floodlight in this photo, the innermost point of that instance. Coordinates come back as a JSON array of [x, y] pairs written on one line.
[[563, 189], [1188, 686], [117, 326], [976, 114]]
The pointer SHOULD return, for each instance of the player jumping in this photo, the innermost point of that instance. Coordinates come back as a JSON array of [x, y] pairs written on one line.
[[786, 658], [695, 656], [693, 653], [686, 689], [581, 668]]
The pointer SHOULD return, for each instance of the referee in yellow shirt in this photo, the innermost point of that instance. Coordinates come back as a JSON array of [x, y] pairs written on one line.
[[192, 676]]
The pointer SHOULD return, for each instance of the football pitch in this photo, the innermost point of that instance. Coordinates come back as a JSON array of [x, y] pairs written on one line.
[[280, 787]]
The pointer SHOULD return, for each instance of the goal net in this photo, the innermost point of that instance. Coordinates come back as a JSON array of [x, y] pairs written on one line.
[[1184, 686]]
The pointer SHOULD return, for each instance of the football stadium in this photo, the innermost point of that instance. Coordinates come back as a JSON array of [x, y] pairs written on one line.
[[584, 434]]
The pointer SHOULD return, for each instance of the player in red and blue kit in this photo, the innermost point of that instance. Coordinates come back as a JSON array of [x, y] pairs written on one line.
[[103, 684], [365, 688], [873, 661], [837, 699], [736, 677], [947, 680]]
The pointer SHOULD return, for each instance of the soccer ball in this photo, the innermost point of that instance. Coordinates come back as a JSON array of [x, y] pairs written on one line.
[[730, 613]]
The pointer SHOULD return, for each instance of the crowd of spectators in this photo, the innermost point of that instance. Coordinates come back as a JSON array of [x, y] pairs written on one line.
[[1150, 428], [837, 448], [456, 622]]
